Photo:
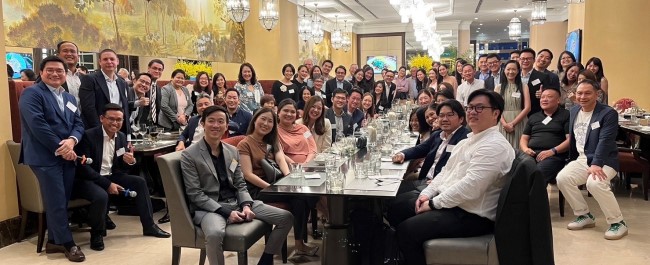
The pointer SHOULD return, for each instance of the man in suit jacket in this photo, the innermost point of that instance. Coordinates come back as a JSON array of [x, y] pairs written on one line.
[[51, 127], [436, 151], [108, 174], [352, 108], [139, 103], [533, 78], [103, 87], [194, 130], [594, 161], [340, 119], [155, 69], [542, 62], [338, 82], [217, 192], [390, 89]]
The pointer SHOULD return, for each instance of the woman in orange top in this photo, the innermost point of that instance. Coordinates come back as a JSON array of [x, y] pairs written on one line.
[[297, 141]]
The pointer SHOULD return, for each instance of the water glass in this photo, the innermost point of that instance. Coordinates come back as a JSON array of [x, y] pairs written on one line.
[[296, 170], [331, 164], [375, 163], [336, 181], [360, 170]]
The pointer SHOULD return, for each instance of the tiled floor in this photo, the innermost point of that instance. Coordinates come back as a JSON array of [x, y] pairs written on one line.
[[125, 245]]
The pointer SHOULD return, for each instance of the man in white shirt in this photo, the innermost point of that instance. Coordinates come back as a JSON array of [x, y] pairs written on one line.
[[353, 68], [470, 85], [69, 52], [461, 201]]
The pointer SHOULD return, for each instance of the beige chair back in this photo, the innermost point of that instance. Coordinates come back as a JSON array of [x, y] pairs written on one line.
[[30, 191]]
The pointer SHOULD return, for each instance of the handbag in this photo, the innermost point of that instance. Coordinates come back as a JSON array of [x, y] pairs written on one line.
[[271, 168]]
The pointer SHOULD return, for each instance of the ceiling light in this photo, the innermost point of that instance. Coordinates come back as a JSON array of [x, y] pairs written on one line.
[[304, 24], [574, 1], [238, 10], [475, 18], [480, 24], [317, 33], [514, 28], [538, 16], [269, 14], [337, 35]]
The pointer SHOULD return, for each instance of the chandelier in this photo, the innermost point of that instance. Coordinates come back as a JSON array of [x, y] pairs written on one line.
[[574, 1], [238, 10], [538, 16], [317, 33], [269, 14], [337, 35], [304, 24], [514, 28], [346, 42]]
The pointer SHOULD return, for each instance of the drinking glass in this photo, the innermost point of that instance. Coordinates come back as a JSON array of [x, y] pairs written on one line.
[[336, 181], [331, 163], [296, 170], [153, 132], [361, 170]]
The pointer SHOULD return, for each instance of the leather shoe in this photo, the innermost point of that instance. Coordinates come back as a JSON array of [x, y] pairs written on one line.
[[74, 254], [155, 231], [109, 223], [164, 219], [96, 242], [53, 248]]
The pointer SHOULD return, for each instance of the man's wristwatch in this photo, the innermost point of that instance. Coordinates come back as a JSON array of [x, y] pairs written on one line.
[[431, 204], [554, 151]]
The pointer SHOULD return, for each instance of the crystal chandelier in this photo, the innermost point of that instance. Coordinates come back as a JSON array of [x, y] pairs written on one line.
[[346, 42], [337, 35], [317, 28], [538, 16], [304, 24], [514, 28], [238, 10], [269, 14], [574, 1]]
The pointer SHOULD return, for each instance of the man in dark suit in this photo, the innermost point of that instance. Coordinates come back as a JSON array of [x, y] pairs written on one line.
[[436, 151], [352, 108], [543, 60], [594, 161], [155, 69], [51, 127], [340, 119], [483, 72], [217, 194], [494, 64], [536, 80], [390, 89], [112, 157], [194, 129], [338, 82], [139, 103], [103, 87]]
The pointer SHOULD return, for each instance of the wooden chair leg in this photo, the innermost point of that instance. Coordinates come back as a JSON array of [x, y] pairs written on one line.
[[176, 255], [561, 201], [242, 258], [41, 232], [23, 224], [285, 254], [202, 257]]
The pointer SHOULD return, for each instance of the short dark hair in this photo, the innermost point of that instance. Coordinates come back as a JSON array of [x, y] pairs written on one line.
[[493, 55], [340, 91], [454, 105], [340, 67], [496, 100], [293, 69], [483, 55], [58, 45], [105, 51], [267, 98], [356, 90], [229, 90], [528, 50], [179, 71], [515, 51], [49, 59], [545, 50], [85, 69], [111, 106], [31, 76], [593, 83], [141, 74], [468, 64], [327, 61], [158, 61], [212, 109]]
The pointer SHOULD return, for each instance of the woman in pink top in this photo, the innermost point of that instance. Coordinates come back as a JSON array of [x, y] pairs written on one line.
[[297, 141]]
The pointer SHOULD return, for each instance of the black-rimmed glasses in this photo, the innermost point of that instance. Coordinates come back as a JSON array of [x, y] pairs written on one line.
[[478, 109]]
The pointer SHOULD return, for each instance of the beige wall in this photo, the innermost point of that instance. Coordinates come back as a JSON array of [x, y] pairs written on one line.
[[463, 41], [576, 17], [617, 32], [339, 57], [8, 195], [550, 35], [388, 45]]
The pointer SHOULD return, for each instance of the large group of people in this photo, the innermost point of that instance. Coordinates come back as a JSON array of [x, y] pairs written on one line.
[[462, 119]]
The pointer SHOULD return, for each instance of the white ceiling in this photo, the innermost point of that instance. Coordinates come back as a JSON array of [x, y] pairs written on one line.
[[378, 16]]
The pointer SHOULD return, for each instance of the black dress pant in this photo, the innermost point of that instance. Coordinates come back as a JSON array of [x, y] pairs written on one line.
[[551, 166], [299, 207], [444, 223]]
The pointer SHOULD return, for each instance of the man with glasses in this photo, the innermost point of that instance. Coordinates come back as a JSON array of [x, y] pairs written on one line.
[[51, 127], [69, 53], [461, 201], [138, 100], [106, 145], [337, 83], [494, 64], [155, 69], [436, 151], [534, 79], [340, 119]]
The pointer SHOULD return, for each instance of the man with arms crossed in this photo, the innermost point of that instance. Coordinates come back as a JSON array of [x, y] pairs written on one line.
[[217, 192], [594, 162]]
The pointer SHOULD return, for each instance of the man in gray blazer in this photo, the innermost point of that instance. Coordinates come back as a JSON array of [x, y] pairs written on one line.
[[215, 186]]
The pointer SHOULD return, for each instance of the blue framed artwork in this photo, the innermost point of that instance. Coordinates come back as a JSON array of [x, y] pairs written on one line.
[[574, 43]]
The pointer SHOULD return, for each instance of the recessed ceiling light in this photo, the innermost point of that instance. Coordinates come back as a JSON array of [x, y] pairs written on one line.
[[479, 28], [475, 18], [480, 24], [477, 31]]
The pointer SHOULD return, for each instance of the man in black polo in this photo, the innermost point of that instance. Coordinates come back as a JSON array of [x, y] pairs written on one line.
[[546, 135]]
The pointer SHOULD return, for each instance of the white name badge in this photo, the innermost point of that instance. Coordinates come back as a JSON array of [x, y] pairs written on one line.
[[381, 107], [535, 82], [516, 94], [291, 91], [307, 134], [547, 120], [233, 165], [450, 148], [120, 151], [71, 106], [595, 125]]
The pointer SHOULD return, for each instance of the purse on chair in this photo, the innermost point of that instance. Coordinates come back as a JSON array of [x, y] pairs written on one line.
[[270, 167]]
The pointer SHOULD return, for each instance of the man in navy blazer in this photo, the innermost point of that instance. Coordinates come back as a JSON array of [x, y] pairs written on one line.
[[51, 127], [190, 133], [338, 82], [109, 174], [103, 87], [352, 109], [594, 161]]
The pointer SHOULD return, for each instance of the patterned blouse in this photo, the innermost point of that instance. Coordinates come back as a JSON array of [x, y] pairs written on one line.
[[249, 100]]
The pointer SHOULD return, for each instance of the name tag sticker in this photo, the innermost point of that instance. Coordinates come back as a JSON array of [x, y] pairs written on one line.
[[233, 165], [291, 91], [307, 134], [535, 82], [595, 125], [547, 120], [381, 107], [450, 148], [71, 106], [120, 151], [516, 94]]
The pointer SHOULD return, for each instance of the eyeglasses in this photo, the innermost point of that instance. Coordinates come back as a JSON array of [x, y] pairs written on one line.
[[478, 109], [53, 71], [146, 83], [113, 120], [448, 115]]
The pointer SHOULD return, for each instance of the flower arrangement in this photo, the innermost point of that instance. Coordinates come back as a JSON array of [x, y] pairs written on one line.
[[191, 68], [421, 61]]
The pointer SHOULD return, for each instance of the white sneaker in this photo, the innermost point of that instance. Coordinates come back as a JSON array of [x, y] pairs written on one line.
[[616, 231], [583, 221]]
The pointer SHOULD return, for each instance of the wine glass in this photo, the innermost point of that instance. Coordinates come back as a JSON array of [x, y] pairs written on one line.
[[135, 130], [153, 132]]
